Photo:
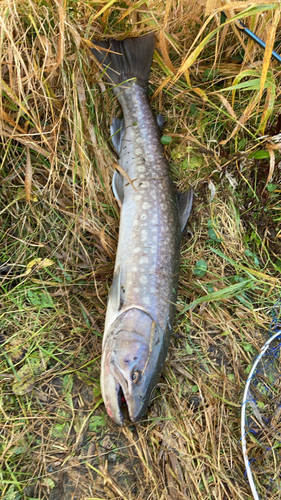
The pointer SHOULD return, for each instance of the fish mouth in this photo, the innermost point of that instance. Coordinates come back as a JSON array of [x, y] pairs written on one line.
[[121, 396], [112, 394]]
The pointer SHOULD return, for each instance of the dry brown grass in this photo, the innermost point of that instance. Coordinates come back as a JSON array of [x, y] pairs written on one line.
[[57, 204]]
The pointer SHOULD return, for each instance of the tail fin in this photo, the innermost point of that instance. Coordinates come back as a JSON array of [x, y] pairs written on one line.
[[129, 58]]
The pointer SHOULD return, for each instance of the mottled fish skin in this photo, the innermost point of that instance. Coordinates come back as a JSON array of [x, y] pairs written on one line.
[[147, 260], [149, 236], [141, 301]]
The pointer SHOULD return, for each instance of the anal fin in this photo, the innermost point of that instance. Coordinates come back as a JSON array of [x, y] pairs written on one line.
[[117, 130], [118, 187]]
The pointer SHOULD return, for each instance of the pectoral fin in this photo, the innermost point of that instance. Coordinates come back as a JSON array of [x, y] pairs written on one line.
[[113, 299], [185, 205], [160, 122], [118, 187]]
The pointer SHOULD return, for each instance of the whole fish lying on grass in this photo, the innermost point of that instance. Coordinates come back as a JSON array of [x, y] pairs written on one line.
[[141, 303]]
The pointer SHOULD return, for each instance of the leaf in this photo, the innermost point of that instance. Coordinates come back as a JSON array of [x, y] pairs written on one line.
[[104, 243], [200, 92], [213, 236], [127, 12], [228, 106], [42, 300], [271, 166], [188, 348], [243, 74], [249, 85], [269, 103], [27, 374], [200, 268], [212, 188], [39, 263], [103, 9], [248, 347], [248, 253], [268, 51], [225, 293], [61, 4], [165, 140], [47, 481], [165, 53], [96, 422], [259, 155], [244, 118], [248, 270]]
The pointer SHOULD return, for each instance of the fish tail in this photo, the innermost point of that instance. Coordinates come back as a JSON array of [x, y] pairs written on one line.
[[126, 59]]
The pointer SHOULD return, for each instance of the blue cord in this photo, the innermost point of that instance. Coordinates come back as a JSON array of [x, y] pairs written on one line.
[[256, 39]]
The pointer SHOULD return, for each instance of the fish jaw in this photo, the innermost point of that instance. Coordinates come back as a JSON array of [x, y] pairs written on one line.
[[111, 391], [130, 370]]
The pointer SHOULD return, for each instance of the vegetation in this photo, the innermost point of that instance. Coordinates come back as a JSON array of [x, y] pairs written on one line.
[[219, 95]]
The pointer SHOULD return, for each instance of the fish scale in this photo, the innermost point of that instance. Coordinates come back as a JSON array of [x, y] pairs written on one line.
[[142, 299]]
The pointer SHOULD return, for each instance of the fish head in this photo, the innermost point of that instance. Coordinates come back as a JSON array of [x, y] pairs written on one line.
[[130, 365]]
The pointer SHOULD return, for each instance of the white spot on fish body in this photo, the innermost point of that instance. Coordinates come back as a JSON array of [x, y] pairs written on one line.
[[136, 290], [143, 279], [137, 250], [144, 184], [144, 260], [146, 205], [138, 197], [141, 168], [143, 235], [146, 300]]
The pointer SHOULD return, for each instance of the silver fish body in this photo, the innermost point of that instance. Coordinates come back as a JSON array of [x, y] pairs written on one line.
[[141, 303]]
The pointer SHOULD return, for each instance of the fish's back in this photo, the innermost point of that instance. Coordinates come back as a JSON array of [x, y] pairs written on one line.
[[149, 237]]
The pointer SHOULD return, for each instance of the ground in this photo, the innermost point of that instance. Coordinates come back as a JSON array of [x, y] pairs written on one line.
[[218, 93]]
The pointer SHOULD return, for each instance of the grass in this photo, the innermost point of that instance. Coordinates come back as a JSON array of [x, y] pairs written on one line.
[[219, 95]]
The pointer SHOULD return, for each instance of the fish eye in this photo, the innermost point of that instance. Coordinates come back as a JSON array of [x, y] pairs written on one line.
[[136, 377]]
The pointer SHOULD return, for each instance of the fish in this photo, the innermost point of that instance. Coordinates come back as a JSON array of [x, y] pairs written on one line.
[[142, 299]]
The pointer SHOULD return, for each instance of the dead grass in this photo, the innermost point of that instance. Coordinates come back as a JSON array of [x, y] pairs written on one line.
[[59, 233]]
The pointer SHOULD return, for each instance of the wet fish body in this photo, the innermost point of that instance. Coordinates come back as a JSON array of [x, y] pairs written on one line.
[[141, 303]]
